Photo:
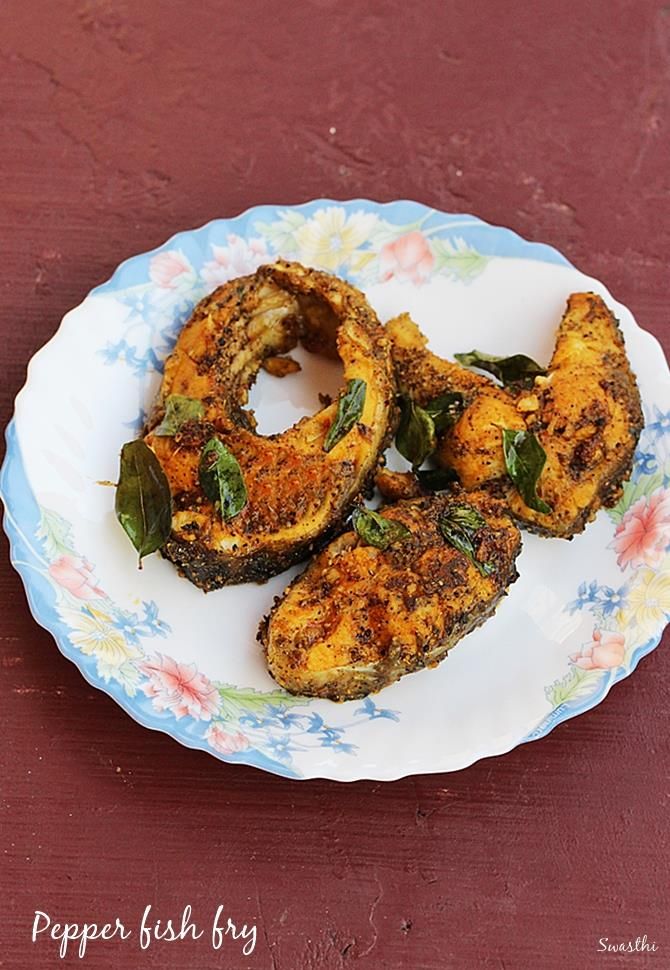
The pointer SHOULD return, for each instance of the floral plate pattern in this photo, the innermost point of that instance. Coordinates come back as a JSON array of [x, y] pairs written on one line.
[[578, 620]]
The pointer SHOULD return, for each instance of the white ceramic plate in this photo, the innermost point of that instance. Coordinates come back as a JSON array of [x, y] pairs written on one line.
[[578, 620]]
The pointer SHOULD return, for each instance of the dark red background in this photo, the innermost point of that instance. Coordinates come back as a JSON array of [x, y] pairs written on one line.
[[123, 122]]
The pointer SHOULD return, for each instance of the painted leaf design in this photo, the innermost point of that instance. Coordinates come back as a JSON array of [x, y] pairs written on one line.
[[56, 535], [634, 490], [576, 683], [236, 702], [457, 258]]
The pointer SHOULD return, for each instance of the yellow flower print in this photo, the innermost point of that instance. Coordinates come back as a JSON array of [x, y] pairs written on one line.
[[330, 238], [92, 632], [648, 602]]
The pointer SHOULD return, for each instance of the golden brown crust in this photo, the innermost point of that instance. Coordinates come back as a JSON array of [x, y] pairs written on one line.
[[280, 366], [298, 494], [422, 373], [473, 448], [359, 617], [395, 486], [588, 420], [586, 414]]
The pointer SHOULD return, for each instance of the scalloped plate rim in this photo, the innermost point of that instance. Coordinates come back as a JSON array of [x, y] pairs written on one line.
[[535, 731]]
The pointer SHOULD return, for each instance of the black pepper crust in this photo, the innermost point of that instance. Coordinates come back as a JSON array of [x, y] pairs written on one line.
[[585, 413], [298, 495], [358, 618], [195, 561], [589, 420]]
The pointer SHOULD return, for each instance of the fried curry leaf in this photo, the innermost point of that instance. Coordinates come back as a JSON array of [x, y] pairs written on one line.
[[418, 428], [415, 438], [143, 503], [517, 369], [178, 409], [436, 479], [221, 479], [349, 410], [445, 410], [459, 525], [376, 530], [524, 460]]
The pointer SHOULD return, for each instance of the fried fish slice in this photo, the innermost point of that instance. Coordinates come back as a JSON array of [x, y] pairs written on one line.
[[299, 489], [585, 413], [588, 420], [474, 446], [361, 617]]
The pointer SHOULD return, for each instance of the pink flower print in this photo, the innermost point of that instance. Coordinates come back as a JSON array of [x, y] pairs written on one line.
[[605, 651], [166, 269], [76, 576], [179, 688], [226, 743], [238, 258], [643, 534], [407, 258]]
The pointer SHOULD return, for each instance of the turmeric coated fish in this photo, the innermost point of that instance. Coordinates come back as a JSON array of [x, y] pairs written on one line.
[[361, 616], [246, 506], [585, 414]]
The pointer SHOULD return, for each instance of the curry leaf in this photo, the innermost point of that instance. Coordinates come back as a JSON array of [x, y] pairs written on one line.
[[459, 525], [517, 369], [376, 530], [143, 502], [436, 479], [221, 479], [415, 438], [445, 410], [178, 409], [349, 410], [524, 460]]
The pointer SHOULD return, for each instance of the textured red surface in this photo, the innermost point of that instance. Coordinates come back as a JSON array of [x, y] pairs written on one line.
[[123, 122]]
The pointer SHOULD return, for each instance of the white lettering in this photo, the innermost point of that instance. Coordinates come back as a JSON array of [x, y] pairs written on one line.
[[152, 930], [248, 947], [68, 933], [639, 946], [248, 934], [217, 932], [37, 929], [118, 928], [188, 927], [145, 935]]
